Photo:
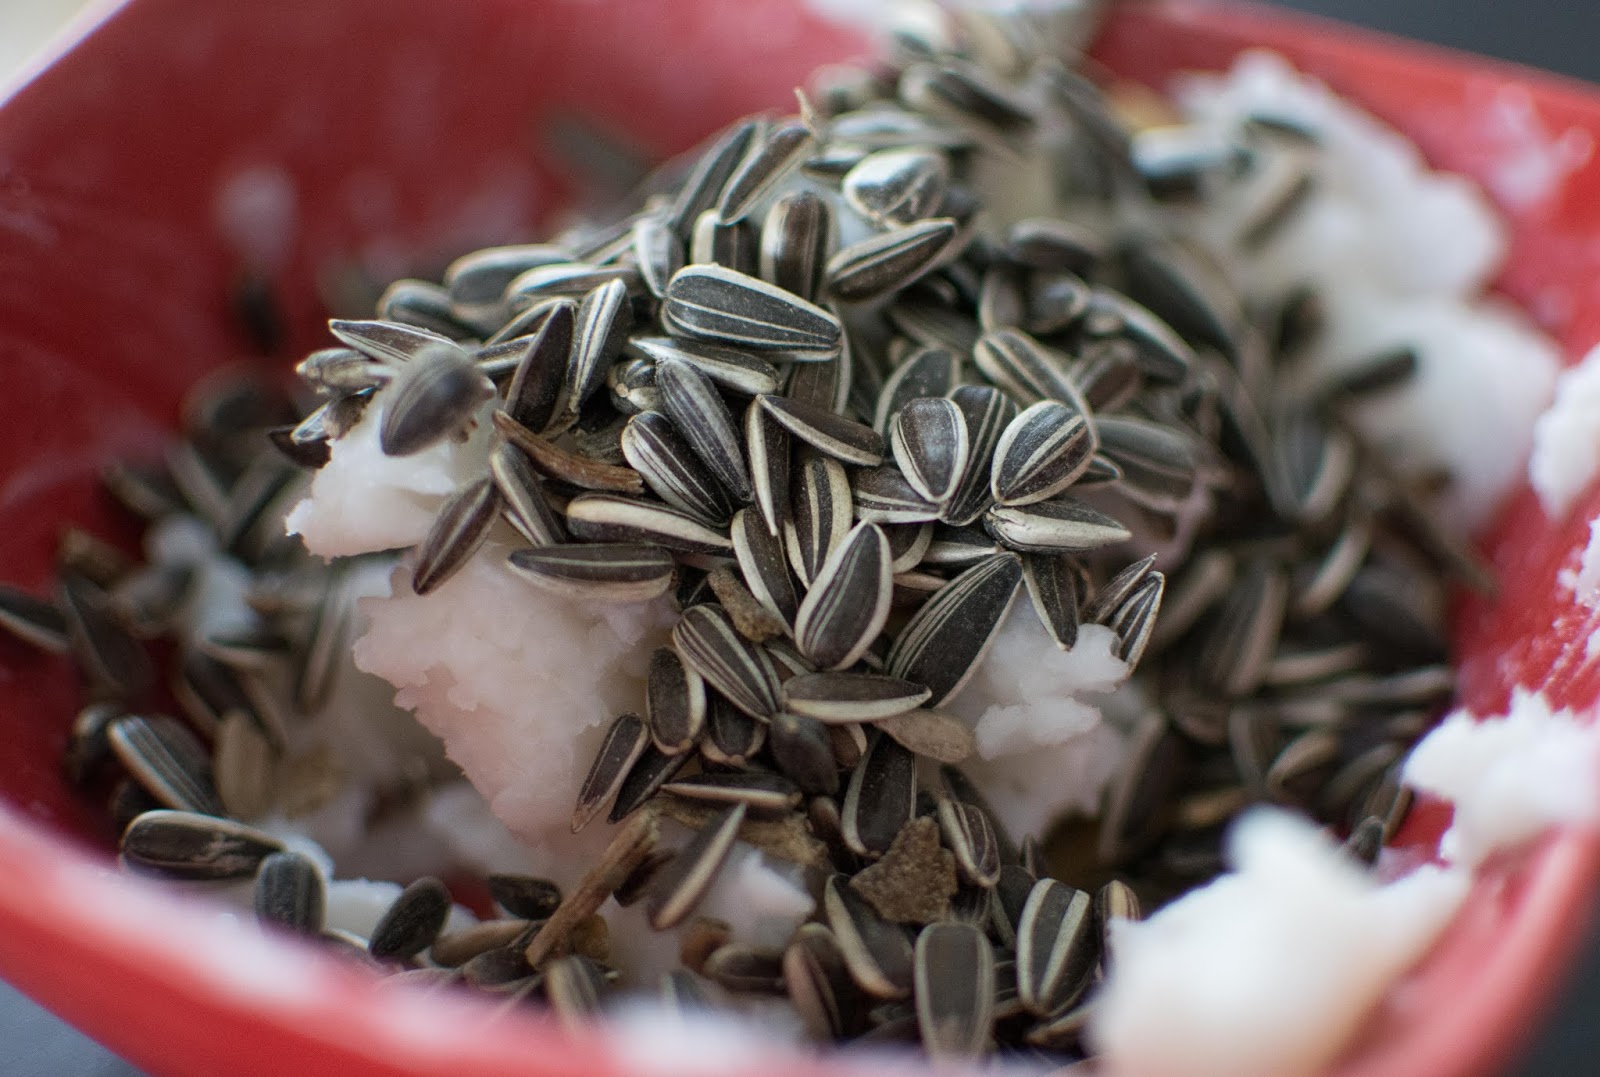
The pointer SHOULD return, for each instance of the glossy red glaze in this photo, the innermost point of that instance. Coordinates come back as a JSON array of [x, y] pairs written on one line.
[[408, 131]]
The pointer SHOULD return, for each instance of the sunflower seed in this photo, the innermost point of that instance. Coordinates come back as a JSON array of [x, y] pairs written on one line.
[[971, 837], [423, 304], [767, 445], [609, 518], [1235, 655], [1107, 373], [745, 969], [113, 662], [431, 398], [699, 414], [625, 741], [289, 893], [825, 383], [766, 572], [759, 791], [184, 845], [803, 750], [848, 603], [245, 764], [743, 672], [36, 621], [573, 985], [477, 282], [458, 532], [954, 986], [1057, 585], [387, 342], [615, 572], [1302, 767], [818, 984], [931, 372], [1365, 841], [883, 496], [943, 643], [658, 252], [538, 389], [842, 439], [1054, 244], [1042, 452], [732, 369], [782, 149], [602, 323], [727, 243], [1332, 575], [167, 761], [1186, 292], [712, 170], [733, 738], [987, 412], [503, 970], [897, 186], [456, 948], [1135, 618], [934, 734], [722, 305], [631, 385], [819, 513], [413, 921], [930, 442], [570, 280], [1202, 583], [343, 370], [675, 703], [678, 887], [881, 797], [1056, 949], [794, 243], [851, 697], [1027, 370], [673, 471], [1060, 525], [889, 261], [877, 955], [522, 497]]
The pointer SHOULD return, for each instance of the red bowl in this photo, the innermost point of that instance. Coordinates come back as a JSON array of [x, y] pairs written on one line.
[[399, 132]]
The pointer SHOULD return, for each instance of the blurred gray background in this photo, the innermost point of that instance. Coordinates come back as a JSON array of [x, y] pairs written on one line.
[[1561, 35]]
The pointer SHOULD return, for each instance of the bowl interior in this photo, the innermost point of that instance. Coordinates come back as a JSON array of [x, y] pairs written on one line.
[[175, 148]]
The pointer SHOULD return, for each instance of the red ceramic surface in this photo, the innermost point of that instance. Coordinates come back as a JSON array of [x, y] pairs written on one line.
[[407, 130]]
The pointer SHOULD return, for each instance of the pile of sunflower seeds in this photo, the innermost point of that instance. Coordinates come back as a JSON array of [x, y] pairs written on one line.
[[805, 386]]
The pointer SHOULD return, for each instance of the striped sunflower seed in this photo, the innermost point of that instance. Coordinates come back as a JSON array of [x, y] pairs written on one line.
[[762, 792], [387, 342], [1135, 618], [113, 662], [245, 765], [779, 152], [609, 518], [794, 243], [1060, 525], [851, 697], [522, 497], [477, 282], [537, 391], [1056, 947], [734, 370], [733, 738], [930, 442], [926, 371], [953, 980], [289, 893], [891, 260], [819, 513], [987, 412], [1058, 587], [679, 886], [186, 845], [343, 370], [743, 672], [700, 415], [745, 969], [825, 383], [624, 743], [1236, 652], [615, 572], [410, 925], [712, 169], [458, 532], [819, 985], [767, 446], [673, 471], [569, 280], [848, 603], [943, 643], [1026, 369], [971, 837], [881, 797], [844, 440], [727, 243], [882, 495], [574, 986], [721, 305], [897, 186], [1042, 452], [35, 621], [431, 398], [764, 566], [167, 761], [803, 750], [675, 703], [653, 769]]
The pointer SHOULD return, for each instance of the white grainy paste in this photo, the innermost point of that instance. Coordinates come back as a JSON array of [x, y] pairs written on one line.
[[1510, 776], [1271, 967], [1566, 439]]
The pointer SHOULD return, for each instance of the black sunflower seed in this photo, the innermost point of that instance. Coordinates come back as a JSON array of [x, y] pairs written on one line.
[[889, 261], [954, 986], [882, 495], [927, 371], [782, 149], [1042, 452], [410, 925], [897, 186], [819, 513], [624, 743], [848, 602], [851, 697], [1056, 947], [538, 388], [943, 643], [794, 243], [930, 441], [734, 370], [1060, 525], [458, 532], [167, 761], [877, 954], [432, 397], [881, 797], [289, 893], [655, 449], [1057, 586], [387, 342], [743, 672], [715, 303], [987, 412], [678, 887], [760, 791], [803, 750], [844, 440], [185, 845], [698, 412], [675, 703]]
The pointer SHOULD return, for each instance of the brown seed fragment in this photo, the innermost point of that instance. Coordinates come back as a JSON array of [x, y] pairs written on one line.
[[915, 879], [754, 621]]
